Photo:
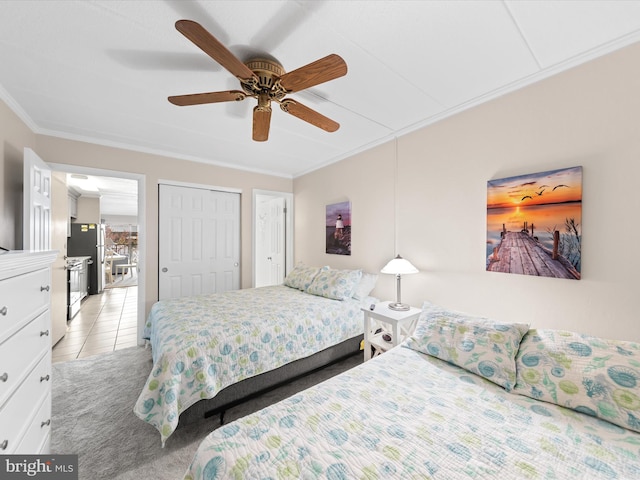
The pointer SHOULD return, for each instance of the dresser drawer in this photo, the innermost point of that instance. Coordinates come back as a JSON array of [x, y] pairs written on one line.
[[20, 410], [38, 435], [21, 298], [20, 353]]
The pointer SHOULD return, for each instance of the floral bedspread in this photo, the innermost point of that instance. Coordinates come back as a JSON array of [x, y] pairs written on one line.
[[405, 414], [203, 344]]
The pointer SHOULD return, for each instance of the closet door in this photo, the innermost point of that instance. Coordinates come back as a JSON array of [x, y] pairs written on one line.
[[270, 242], [198, 241]]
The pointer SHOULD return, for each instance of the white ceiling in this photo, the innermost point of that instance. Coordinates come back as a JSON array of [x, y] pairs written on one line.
[[101, 71]]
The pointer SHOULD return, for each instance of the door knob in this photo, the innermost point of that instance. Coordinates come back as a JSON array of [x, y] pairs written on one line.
[[165, 270], [236, 264]]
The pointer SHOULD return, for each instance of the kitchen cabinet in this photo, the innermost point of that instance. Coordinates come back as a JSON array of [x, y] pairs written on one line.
[[72, 207]]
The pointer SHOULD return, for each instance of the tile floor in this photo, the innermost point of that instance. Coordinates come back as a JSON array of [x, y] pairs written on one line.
[[106, 322]]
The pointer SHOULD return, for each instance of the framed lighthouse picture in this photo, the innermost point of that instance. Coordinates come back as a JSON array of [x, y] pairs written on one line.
[[338, 228]]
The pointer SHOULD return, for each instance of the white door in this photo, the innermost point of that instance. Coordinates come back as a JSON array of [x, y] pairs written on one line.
[[59, 209], [37, 203], [198, 241], [270, 240]]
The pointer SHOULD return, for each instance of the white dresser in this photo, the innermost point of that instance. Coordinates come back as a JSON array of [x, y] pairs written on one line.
[[25, 352]]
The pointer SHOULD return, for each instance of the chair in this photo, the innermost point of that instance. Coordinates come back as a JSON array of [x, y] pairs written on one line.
[[108, 269], [130, 265]]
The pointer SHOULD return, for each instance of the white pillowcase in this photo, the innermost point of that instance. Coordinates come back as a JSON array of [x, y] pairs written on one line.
[[366, 285]]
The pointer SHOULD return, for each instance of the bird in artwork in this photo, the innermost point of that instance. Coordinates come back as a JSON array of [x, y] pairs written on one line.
[[561, 185], [526, 196], [540, 192]]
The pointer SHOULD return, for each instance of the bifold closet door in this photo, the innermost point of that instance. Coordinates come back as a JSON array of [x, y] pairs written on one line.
[[198, 241]]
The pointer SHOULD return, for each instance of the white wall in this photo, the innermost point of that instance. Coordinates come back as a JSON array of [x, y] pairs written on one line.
[[588, 116], [14, 136]]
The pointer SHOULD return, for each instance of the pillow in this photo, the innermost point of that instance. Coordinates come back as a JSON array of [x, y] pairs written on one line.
[[366, 284], [587, 374], [483, 346], [335, 284], [301, 276]]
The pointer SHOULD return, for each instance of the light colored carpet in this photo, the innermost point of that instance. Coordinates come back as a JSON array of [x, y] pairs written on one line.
[[93, 417]]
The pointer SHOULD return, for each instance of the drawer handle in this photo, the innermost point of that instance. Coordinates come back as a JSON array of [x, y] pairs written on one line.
[[45, 378], [3, 311], [4, 445], [4, 377], [42, 289], [45, 333], [45, 424]]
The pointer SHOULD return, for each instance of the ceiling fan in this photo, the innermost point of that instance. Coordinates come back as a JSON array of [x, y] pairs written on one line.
[[263, 79]]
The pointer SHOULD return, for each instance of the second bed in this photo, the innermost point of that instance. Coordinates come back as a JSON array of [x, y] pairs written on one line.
[[202, 345]]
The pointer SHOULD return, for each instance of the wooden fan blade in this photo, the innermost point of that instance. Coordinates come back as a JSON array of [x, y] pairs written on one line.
[[308, 115], [212, 47], [261, 122], [211, 97], [327, 68]]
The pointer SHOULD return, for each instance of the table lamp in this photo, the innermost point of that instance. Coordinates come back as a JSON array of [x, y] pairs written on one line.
[[398, 267]]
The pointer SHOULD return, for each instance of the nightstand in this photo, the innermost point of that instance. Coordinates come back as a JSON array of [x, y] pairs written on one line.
[[399, 324]]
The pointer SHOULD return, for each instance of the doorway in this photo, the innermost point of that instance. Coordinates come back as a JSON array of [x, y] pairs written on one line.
[[140, 221], [272, 237]]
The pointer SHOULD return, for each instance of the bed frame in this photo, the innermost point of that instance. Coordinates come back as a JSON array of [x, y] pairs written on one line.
[[249, 388]]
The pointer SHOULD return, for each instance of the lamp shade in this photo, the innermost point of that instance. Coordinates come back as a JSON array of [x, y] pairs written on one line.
[[399, 266]]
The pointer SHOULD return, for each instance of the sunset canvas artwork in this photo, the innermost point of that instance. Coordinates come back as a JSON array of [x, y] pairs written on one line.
[[534, 224]]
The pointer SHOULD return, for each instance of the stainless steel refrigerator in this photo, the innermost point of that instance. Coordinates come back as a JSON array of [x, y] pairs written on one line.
[[87, 239]]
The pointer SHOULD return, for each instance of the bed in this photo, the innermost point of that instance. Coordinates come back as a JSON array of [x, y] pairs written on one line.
[[463, 397], [211, 351]]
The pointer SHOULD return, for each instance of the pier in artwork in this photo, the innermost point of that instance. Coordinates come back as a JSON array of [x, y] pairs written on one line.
[[521, 252]]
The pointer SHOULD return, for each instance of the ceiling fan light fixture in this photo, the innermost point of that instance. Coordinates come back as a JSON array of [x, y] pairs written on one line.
[[264, 79]]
